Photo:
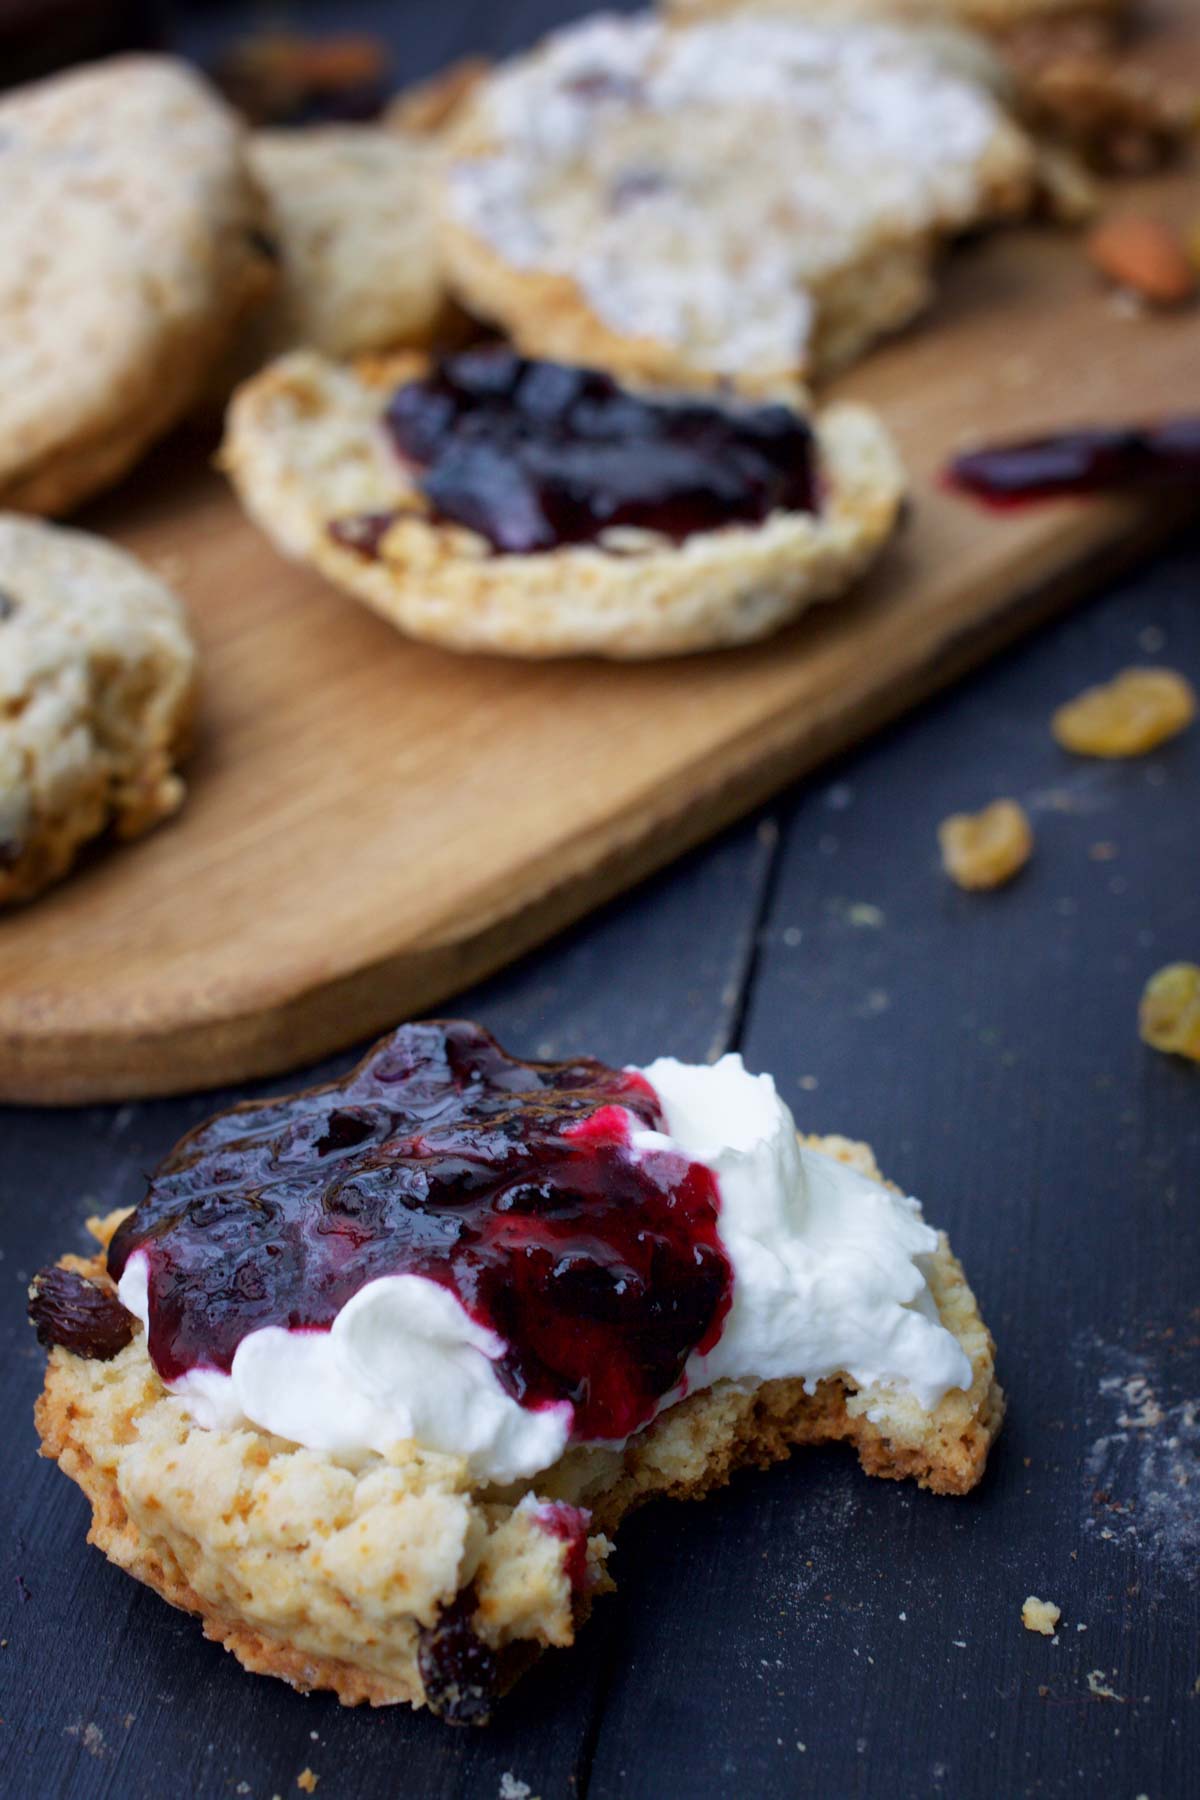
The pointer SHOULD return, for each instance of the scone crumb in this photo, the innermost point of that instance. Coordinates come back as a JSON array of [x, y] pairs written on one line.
[[1040, 1615], [1098, 1685], [1135, 712], [986, 849], [308, 1781], [1169, 1014]]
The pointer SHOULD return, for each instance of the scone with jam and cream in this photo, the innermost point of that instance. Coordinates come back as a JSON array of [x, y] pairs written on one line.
[[488, 502], [373, 1372], [757, 197]]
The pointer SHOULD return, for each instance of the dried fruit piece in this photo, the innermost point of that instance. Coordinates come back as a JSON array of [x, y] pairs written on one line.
[[457, 1668], [1169, 1016], [1143, 254], [75, 1313], [1135, 712], [986, 849]]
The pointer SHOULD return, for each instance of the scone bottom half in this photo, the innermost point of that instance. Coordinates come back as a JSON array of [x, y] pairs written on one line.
[[534, 1266], [488, 501]]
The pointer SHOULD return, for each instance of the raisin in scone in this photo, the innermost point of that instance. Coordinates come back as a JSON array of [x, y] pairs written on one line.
[[485, 502], [97, 682], [373, 1372], [129, 251], [757, 197]]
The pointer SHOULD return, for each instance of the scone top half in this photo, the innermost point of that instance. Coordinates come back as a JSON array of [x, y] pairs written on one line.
[[755, 196], [487, 501], [371, 1373]]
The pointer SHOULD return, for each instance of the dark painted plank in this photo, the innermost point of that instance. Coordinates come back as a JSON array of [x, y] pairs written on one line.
[[987, 1045], [106, 1692]]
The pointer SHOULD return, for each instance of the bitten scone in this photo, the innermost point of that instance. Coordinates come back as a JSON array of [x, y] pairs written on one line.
[[97, 677], [129, 251], [757, 197], [351, 211], [418, 1341], [488, 503]]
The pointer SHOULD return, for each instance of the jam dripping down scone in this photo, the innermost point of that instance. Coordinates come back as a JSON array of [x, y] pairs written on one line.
[[97, 683], [758, 197], [130, 250], [372, 1374], [486, 502]]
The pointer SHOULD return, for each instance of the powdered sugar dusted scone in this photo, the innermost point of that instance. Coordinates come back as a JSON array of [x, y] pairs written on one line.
[[352, 215], [97, 671], [417, 1342], [127, 256], [486, 503], [758, 196]]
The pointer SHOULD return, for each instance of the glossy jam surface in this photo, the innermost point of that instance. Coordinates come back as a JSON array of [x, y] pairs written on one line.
[[510, 1183], [532, 455], [1102, 460]]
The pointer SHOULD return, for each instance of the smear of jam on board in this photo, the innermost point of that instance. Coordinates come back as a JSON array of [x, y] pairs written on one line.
[[513, 1184], [532, 455], [1099, 460]]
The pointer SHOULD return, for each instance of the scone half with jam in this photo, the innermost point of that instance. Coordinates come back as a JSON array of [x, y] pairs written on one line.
[[372, 1374], [757, 197], [486, 502]]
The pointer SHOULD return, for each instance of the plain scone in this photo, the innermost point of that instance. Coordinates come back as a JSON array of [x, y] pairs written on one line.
[[757, 196], [129, 251], [323, 1570], [305, 446], [97, 686]]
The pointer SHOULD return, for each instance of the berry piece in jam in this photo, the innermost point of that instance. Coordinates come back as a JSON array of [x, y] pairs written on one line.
[[68, 1310], [511, 1183], [457, 1668], [532, 455], [571, 1525], [1098, 461]]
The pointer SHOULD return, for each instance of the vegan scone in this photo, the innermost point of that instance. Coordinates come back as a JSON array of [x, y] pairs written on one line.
[[757, 197], [488, 502], [130, 251], [372, 1374], [97, 691]]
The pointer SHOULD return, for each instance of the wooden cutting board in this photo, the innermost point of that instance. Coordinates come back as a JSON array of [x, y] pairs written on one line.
[[371, 825]]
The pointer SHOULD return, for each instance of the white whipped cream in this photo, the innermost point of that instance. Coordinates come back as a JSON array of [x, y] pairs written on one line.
[[828, 1279]]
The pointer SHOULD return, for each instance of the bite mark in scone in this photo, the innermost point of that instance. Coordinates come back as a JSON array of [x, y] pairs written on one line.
[[445, 1276], [541, 510], [97, 689], [757, 197], [129, 252]]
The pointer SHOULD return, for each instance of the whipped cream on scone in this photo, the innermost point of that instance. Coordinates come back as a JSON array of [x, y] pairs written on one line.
[[755, 196], [372, 1373], [824, 1277]]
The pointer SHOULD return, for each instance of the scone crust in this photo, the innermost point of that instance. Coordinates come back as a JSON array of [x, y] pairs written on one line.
[[305, 446], [128, 226], [997, 16], [525, 216], [321, 1570], [97, 688]]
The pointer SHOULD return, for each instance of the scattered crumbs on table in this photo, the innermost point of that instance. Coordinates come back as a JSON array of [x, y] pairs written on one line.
[[1040, 1615], [243, 1787], [90, 1736], [308, 1781], [808, 1083], [512, 1789], [1098, 1685], [959, 1643]]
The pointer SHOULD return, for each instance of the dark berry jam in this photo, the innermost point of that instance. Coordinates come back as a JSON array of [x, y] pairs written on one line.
[[571, 1524], [1099, 461], [510, 1183], [532, 455]]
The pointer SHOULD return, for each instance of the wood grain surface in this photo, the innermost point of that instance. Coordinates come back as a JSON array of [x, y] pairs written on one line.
[[371, 824]]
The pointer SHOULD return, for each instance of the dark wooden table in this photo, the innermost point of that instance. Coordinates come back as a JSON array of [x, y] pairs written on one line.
[[808, 1632]]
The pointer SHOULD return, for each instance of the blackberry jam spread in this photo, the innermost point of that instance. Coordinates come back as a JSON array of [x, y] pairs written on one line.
[[1100, 460], [532, 455], [512, 1184]]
